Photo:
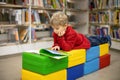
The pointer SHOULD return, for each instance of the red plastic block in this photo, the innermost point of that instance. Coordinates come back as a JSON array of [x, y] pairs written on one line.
[[104, 61]]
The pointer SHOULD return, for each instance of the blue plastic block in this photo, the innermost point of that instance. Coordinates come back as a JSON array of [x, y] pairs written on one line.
[[91, 66], [92, 53], [75, 72]]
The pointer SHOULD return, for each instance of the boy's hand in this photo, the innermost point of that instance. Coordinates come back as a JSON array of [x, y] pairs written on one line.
[[55, 48], [61, 33]]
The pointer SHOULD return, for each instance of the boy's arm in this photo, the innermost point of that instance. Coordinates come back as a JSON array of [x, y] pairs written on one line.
[[69, 43], [55, 40]]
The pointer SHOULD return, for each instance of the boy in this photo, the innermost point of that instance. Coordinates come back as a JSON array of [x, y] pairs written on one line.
[[65, 37]]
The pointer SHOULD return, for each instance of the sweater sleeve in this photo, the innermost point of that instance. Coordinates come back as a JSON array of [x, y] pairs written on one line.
[[67, 44], [55, 40]]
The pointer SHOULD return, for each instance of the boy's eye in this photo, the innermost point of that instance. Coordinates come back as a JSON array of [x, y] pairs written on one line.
[[56, 28]]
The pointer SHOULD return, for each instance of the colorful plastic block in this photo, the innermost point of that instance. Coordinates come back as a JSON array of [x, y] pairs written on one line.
[[42, 64], [76, 57], [104, 61], [91, 66], [92, 53], [75, 72], [59, 75], [104, 49]]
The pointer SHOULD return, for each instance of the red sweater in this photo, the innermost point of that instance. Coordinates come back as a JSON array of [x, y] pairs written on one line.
[[71, 40]]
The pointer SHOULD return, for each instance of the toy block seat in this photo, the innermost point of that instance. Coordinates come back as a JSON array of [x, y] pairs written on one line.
[[59, 75], [75, 72], [91, 66], [92, 53], [104, 61], [104, 49], [76, 57], [78, 63], [42, 64]]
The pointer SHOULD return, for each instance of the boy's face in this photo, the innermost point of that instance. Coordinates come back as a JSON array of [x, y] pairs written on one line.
[[59, 29]]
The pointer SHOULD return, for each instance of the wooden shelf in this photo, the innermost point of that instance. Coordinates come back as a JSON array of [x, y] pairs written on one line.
[[13, 6], [117, 40], [115, 45], [95, 23], [43, 42], [114, 24], [13, 25], [48, 9], [77, 10], [104, 9], [7, 25]]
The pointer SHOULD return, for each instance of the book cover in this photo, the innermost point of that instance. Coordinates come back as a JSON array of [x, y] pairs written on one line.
[[23, 32], [53, 53]]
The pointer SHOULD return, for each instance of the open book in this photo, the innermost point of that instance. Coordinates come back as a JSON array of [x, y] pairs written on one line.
[[53, 53]]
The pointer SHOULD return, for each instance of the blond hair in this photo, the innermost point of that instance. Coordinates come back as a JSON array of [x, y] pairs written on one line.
[[59, 18]]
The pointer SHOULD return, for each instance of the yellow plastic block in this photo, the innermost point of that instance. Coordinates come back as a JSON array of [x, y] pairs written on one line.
[[28, 75], [76, 57], [104, 49]]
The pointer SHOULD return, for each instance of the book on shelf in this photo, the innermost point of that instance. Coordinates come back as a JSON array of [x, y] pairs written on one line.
[[2, 1], [102, 4], [98, 30], [13, 35], [115, 32], [53, 53], [23, 32], [48, 3], [99, 17], [56, 4], [33, 34], [36, 17], [16, 2], [116, 17]]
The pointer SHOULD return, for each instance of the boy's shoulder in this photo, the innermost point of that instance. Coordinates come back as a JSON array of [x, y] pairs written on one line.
[[70, 30]]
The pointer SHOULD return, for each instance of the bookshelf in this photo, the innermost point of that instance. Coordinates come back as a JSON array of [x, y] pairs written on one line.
[[34, 21], [78, 15], [105, 13]]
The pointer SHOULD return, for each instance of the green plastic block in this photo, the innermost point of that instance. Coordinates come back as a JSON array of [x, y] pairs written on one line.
[[42, 64]]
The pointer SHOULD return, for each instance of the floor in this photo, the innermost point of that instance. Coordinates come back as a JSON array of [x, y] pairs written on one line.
[[10, 68]]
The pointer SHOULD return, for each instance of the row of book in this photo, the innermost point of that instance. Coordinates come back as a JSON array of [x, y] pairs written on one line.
[[115, 17], [104, 30], [24, 34], [112, 17], [18, 35], [115, 32], [41, 3], [103, 4], [47, 3], [99, 17], [21, 34], [17, 2], [21, 16], [3, 30], [99, 30], [7, 16], [50, 3]]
